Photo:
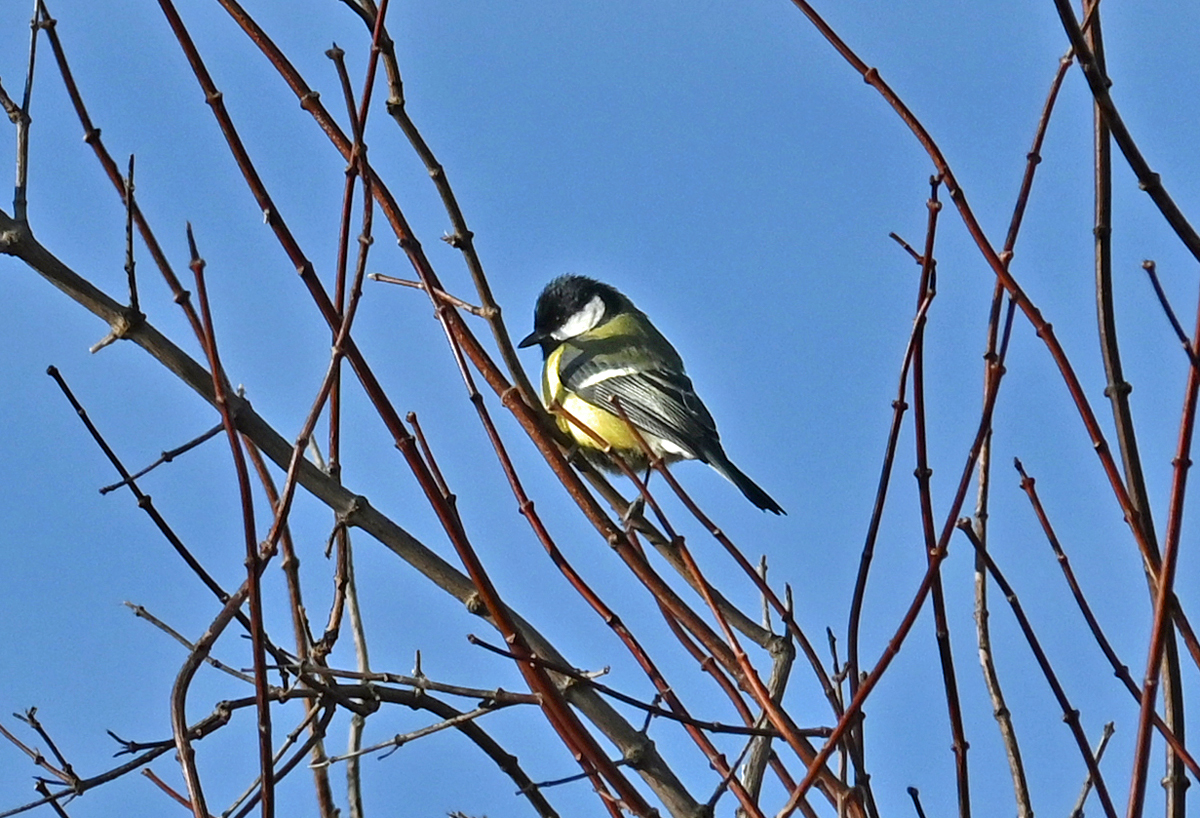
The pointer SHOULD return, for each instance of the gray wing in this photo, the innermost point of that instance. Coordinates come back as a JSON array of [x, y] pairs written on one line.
[[657, 400]]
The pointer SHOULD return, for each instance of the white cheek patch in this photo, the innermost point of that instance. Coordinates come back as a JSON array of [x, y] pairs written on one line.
[[582, 321]]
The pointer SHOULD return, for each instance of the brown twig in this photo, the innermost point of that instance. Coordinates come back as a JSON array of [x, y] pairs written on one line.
[[1120, 670], [420, 682], [1185, 342], [357, 723], [927, 288], [44, 790], [1098, 82], [22, 121], [252, 794], [130, 264], [441, 295], [301, 627], [854, 709], [352, 508], [1044, 330], [996, 350], [141, 613], [1070, 714], [36, 755], [654, 710], [143, 500], [461, 238], [214, 721], [30, 718], [400, 739], [165, 787], [165, 457], [91, 135], [867, 555], [1105, 735], [1166, 578], [311, 744], [1118, 391], [253, 592], [628, 639]]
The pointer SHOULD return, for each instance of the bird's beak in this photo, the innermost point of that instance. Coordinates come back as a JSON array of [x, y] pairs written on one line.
[[532, 338]]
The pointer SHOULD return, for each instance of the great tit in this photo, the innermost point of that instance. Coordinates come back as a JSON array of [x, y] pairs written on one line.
[[597, 345]]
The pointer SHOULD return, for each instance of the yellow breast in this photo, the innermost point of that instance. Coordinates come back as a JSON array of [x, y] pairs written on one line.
[[607, 426]]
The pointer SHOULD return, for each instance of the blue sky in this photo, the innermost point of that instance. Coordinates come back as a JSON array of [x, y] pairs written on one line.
[[721, 165]]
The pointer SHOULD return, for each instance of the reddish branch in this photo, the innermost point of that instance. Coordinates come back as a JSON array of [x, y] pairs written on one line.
[[253, 570], [1070, 714], [1120, 670]]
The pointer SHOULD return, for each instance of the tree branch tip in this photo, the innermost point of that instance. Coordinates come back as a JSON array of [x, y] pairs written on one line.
[[103, 342]]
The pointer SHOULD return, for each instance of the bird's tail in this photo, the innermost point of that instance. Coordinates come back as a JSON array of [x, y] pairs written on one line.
[[746, 486]]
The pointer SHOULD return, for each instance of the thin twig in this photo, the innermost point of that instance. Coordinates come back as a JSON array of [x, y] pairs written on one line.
[[915, 795], [91, 135], [140, 612], [941, 625], [20, 202], [254, 593], [165, 787], [165, 457], [130, 265], [461, 238], [144, 501], [440, 294], [353, 508], [1120, 670], [1181, 464], [210, 723], [1070, 714], [1105, 735], [652, 709], [1185, 342], [1099, 83], [1043, 328]]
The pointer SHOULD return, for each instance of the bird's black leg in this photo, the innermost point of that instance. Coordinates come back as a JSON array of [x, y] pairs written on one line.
[[635, 508]]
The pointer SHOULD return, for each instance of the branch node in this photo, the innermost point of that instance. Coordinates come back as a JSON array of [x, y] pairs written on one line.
[[126, 322], [475, 604]]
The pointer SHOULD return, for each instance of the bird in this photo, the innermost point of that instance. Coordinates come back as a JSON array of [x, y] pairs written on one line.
[[597, 346]]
